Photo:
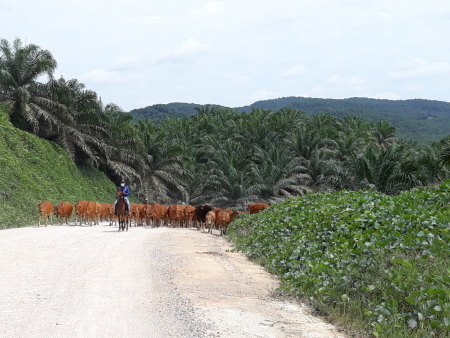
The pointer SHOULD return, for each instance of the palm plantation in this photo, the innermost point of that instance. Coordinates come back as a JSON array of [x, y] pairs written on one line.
[[218, 155], [225, 157]]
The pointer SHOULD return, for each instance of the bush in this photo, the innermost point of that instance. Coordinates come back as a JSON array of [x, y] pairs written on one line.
[[386, 257]]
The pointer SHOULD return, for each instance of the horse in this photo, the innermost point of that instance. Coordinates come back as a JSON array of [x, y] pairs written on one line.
[[121, 210]]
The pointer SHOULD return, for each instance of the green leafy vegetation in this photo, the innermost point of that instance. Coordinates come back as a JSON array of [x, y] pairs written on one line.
[[221, 155], [419, 120], [423, 121], [159, 112], [33, 170], [381, 260]]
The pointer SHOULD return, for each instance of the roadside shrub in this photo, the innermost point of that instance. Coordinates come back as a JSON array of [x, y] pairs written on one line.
[[386, 257]]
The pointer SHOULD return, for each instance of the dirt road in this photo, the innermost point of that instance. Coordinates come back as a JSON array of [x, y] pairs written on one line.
[[72, 281]]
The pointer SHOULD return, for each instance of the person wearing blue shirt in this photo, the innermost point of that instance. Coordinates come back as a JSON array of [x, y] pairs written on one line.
[[126, 190]]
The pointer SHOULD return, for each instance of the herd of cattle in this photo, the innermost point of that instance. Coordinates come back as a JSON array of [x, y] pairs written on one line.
[[203, 217]]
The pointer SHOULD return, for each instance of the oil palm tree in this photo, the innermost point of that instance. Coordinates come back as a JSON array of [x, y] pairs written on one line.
[[445, 151], [30, 101], [81, 129], [277, 175], [227, 171], [388, 170], [384, 134], [124, 153], [163, 179]]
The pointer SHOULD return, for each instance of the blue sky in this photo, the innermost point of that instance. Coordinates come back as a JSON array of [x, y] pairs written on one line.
[[233, 53]]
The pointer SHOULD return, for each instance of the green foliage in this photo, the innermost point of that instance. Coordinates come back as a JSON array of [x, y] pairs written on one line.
[[419, 120], [387, 256], [160, 112], [33, 170], [222, 155]]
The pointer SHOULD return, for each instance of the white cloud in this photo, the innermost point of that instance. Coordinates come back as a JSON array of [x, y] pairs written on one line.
[[334, 79], [414, 87], [102, 76], [151, 20], [127, 61], [125, 2], [231, 49], [387, 96], [419, 68], [190, 47], [238, 78], [352, 81], [182, 89], [295, 71], [208, 10], [188, 51], [144, 103], [263, 94], [337, 86]]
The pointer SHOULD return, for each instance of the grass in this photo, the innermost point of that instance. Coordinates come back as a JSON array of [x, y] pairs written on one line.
[[33, 170]]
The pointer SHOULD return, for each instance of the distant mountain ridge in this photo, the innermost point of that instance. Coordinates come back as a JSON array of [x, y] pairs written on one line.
[[160, 112], [420, 120]]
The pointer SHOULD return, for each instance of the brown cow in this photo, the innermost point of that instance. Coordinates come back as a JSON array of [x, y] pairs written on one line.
[[257, 207], [135, 210], [164, 214], [233, 214], [200, 214], [155, 214], [81, 211], [98, 209], [145, 214], [45, 209], [189, 215], [175, 214], [210, 220], [63, 210], [222, 220], [104, 213], [141, 215], [111, 215], [92, 212]]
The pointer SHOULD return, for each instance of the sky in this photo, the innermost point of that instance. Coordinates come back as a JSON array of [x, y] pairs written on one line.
[[136, 53]]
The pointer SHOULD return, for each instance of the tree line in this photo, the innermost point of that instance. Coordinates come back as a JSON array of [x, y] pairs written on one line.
[[218, 155], [424, 121], [420, 120]]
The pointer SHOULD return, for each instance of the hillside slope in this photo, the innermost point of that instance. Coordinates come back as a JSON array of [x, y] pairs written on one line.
[[33, 170]]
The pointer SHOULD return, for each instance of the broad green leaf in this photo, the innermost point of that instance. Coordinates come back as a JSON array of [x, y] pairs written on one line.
[[344, 298], [412, 323]]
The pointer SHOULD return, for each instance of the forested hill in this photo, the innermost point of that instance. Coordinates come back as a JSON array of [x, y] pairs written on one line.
[[160, 112], [420, 120]]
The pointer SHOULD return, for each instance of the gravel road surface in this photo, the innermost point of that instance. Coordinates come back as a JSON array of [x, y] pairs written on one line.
[[82, 281]]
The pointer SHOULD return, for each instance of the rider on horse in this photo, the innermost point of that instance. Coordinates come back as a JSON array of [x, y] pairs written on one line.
[[126, 191]]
